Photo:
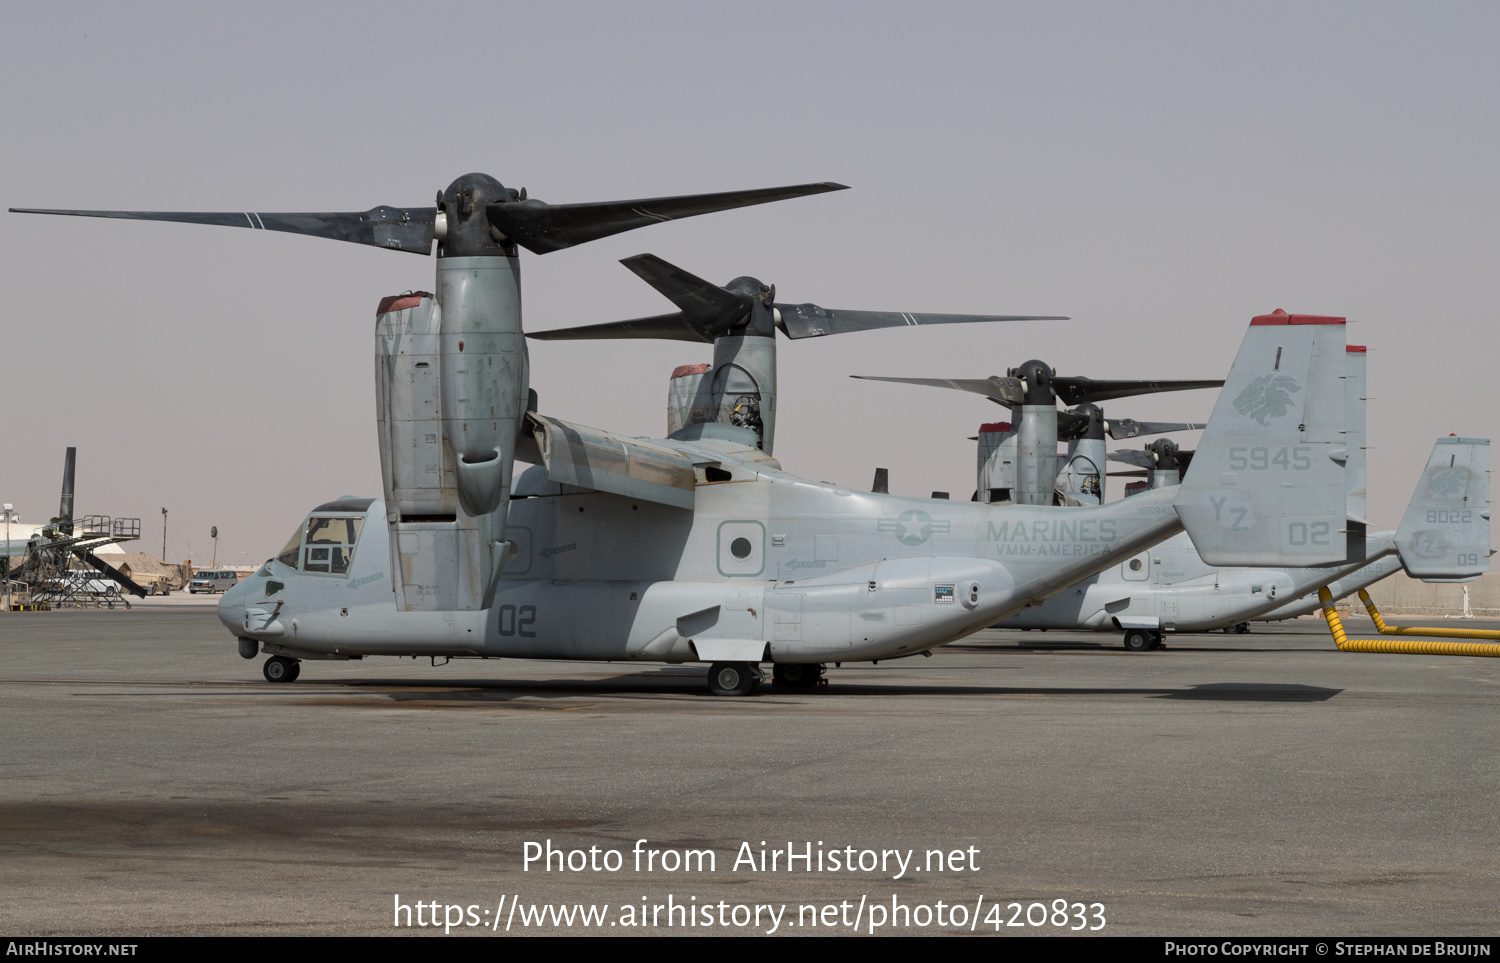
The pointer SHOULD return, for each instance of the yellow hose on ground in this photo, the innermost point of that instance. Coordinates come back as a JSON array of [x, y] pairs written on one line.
[[1412, 647], [1443, 633]]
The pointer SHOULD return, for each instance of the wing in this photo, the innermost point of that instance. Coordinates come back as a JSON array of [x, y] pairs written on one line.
[[590, 458]]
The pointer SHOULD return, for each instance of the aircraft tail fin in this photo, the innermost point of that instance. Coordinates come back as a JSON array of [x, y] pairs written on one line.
[[1354, 428], [1445, 534], [1267, 484]]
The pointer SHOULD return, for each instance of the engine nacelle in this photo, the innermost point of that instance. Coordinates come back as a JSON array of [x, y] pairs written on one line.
[[997, 462], [1082, 471], [738, 389], [448, 406]]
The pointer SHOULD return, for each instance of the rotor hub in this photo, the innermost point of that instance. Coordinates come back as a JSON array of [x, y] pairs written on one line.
[[468, 231]]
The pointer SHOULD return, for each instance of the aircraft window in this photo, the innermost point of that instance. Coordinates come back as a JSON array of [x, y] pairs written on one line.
[[1135, 565], [322, 530], [740, 547], [330, 543], [288, 554]]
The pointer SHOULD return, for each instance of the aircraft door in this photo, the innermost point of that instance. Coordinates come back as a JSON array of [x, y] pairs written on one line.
[[1168, 607], [786, 614], [1137, 569]]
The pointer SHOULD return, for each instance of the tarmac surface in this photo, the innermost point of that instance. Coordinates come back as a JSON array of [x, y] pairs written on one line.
[[152, 783]]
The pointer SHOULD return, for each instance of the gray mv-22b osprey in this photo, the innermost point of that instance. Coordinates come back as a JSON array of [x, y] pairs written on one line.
[[1444, 536], [698, 547]]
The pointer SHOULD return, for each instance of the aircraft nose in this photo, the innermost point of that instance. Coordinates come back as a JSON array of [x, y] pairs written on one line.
[[232, 608]]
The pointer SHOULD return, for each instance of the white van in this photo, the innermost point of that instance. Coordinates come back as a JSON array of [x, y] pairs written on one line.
[[216, 581]]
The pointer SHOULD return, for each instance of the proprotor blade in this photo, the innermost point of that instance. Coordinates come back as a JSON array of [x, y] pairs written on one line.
[[1005, 391], [1141, 459], [661, 327], [542, 228], [1122, 428], [398, 228], [1077, 391], [812, 321], [708, 310], [706, 306]]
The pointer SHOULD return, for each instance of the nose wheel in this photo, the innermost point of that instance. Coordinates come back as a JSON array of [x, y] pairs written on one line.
[[279, 668]]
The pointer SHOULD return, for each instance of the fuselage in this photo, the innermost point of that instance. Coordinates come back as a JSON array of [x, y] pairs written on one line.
[[765, 564], [1340, 588], [1169, 587]]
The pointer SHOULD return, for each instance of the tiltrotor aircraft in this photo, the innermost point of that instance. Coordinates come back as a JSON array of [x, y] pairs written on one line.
[[699, 548], [1019, 462], [1444, 535]]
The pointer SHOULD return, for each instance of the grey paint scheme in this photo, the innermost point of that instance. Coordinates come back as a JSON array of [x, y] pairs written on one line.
[[1339, 589], [1036, 454], [1026, 467], [1173, 589], [997, 463], [740, 319], [475, 388], [764, 564], [743, 369]]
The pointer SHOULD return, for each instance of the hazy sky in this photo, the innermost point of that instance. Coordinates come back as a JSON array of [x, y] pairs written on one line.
[[1160, 172]]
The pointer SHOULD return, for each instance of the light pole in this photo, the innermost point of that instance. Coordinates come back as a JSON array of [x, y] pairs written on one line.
[[213, 533], [10, 516], [164, 536]]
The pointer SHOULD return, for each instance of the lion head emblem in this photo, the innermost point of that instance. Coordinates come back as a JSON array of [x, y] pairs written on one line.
[[1267, 397], [1449, 481]]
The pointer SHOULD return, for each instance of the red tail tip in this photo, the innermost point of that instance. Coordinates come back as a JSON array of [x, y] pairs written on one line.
[[1281, 317]]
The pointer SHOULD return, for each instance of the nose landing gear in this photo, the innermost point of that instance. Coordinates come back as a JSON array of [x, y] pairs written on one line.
[[279, 668]]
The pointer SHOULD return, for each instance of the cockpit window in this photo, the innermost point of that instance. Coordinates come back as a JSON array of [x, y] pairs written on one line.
[[330, 543], [288, 554]]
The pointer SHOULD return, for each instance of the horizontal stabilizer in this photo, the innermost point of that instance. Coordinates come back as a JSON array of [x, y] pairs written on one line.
[[1265, 489], [1445, 533], [590, 458]]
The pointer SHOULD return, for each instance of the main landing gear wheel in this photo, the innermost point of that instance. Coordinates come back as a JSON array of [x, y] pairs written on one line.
[[797, 675], [1139, 640], [732, 678], [279, 668]]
